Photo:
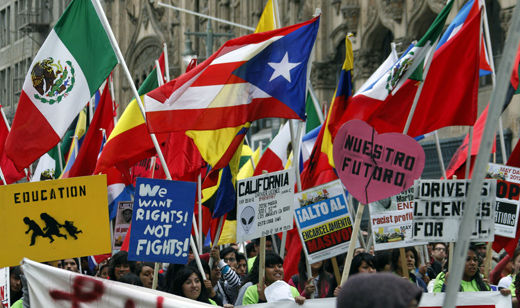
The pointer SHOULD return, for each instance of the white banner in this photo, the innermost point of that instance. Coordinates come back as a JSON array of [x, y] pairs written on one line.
[[391, 221], [430, 300], [439, 206], [53, 287], [4, 287], [265, 204]]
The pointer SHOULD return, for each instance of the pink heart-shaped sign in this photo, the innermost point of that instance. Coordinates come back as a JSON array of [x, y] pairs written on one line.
[[374, 167]]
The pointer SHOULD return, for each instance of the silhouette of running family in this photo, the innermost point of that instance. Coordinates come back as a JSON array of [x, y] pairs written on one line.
[[52, 228]]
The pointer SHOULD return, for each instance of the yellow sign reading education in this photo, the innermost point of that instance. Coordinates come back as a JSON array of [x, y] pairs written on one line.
[[53, 220]]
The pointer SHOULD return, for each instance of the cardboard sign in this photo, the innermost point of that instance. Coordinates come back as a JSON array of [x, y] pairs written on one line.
[[55, 287], [265, 204], [161, 221], [439, 206], [372, 166], [4, 287], [53, 220], [323, 221], [392, 221], [507, 202], [123, 220]]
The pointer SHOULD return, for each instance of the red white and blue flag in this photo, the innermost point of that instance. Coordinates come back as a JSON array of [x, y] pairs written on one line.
[[261, 75]]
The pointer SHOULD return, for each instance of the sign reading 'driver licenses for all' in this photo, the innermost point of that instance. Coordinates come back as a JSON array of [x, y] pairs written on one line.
[[161, 221], [508, 192], [265, 204], [439, 206], [323, 221], [53, 220]]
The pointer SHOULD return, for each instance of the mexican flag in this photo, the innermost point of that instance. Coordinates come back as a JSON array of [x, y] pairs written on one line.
[[70, 66]]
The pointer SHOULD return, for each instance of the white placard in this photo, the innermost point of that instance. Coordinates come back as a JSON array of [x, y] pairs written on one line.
[[265, 204], [507, 203], [123, 220], [439, 206], [4, 287], [392, 219]]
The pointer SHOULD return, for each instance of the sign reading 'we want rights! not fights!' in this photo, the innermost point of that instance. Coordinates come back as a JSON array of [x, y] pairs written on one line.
[[53, 220]]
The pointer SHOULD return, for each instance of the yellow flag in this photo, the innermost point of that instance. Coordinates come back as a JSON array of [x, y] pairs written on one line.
[[53, 220], [270, 19]]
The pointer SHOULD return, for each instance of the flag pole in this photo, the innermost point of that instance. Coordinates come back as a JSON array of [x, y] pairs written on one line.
[[498, 98], [117, 51], [2, 176], [487, 38], [199, 204], [166, 65], [468, 159], [439, 154]]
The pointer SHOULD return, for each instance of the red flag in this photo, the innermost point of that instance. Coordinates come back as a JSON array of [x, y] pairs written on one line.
[[103, 119], [8, 169]]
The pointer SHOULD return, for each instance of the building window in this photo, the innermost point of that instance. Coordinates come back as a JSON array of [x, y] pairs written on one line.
[[5, 26], [5, 87]]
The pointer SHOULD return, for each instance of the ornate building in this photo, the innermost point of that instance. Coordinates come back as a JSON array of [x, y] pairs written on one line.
[[143, 26]]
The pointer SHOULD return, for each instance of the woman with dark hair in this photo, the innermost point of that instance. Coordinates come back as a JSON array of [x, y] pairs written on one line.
[[273, 272], [145, 273], [188, 283], [412, 262], [471, 279], [119, 265], [322, 285], [362, 263]]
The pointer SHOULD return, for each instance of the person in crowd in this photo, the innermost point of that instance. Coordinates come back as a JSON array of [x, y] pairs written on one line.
[[361, 263], [391, 292], [228, 283], [131, 278], [503, 273], [145, 273], [382, 261], [471, 279], [103, 271], [15, 284], [250, 250], [412, 262], [321, 284], [273, 272], [438, 260], [119, 265], [256, 242], [188, 283], [514, 285], [71, 264], [241, 265], [212, 293]]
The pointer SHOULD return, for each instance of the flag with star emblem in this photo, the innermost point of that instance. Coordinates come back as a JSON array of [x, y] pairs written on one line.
[[261, 75]]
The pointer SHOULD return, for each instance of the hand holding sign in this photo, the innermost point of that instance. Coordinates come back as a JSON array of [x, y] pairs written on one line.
[[372, 166]]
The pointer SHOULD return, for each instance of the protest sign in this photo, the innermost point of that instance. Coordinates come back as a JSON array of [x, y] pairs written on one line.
[[53, 220], [4, 287], [265, 204], [391, 221], [372, 166], [161, 222], [439, 206], [323, 221], [54, 287], [123, 220], [507, 202]]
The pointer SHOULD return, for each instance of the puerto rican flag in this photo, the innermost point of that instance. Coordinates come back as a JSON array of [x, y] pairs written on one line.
[[261, 75]]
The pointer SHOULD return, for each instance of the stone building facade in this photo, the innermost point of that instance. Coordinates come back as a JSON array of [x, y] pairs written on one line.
[[143, 26]]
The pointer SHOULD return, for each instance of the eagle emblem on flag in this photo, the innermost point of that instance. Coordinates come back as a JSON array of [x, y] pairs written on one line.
[[52, 80]]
